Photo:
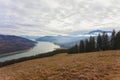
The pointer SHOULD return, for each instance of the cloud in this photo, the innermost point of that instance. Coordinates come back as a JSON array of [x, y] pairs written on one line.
[[57, 17]]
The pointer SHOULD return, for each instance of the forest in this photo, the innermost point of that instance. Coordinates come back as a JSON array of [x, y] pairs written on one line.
[[100, 43]]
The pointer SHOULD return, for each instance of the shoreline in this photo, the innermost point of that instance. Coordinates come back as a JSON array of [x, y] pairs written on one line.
[[27, 50], [12, 53], [42, 55]]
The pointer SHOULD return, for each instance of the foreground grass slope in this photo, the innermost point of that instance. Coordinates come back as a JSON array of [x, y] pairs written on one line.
[[89, 66]]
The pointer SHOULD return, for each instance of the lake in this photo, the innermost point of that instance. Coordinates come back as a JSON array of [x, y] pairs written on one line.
[[41, 47]]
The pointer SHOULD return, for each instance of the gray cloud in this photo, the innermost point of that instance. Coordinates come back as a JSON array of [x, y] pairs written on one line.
[[57, 17]]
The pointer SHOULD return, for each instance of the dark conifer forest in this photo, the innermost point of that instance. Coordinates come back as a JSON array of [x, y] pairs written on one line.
[[101, 43]]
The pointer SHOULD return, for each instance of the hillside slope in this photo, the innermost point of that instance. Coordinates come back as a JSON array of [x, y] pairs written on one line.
[[89, 66], [10, 43]]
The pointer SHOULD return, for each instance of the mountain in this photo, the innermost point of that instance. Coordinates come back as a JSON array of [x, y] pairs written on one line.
[[90, 33], [63, 41], [96, 32], [9, 43], [30, 37], [70, 40]]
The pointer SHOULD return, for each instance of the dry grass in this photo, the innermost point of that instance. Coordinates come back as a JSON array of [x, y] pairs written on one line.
[[90, 66]]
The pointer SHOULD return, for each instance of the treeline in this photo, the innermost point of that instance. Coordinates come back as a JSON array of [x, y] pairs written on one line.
[[100, 43]]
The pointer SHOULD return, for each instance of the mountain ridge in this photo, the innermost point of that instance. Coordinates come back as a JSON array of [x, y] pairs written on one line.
[[11, 43], [70, 40]]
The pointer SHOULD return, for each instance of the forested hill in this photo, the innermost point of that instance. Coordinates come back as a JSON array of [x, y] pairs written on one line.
[[10, 43]]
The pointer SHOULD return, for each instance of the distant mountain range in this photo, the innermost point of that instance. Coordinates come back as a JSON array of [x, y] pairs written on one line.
[[70, 40], [63, 41], [96, 32], [14, 43], [31, 37]]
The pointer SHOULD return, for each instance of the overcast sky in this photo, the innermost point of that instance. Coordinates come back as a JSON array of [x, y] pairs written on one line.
[[57, 17]]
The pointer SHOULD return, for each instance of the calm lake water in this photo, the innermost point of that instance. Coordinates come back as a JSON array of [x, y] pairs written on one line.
[[41, 47]]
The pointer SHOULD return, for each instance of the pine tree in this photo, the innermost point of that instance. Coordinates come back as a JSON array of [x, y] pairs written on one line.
[[91, 44], [82, 46], [117, 41], [99, 42], [113, 40], [105, 42], [87, 45], [73, 49]]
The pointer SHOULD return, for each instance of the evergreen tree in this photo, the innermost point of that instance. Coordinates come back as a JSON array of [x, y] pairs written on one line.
[[94, 44], [99, 42], [73, 49], [117, 41], [91, 44], [113, 40], [105, 42], [87, 45], [82, 46]]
